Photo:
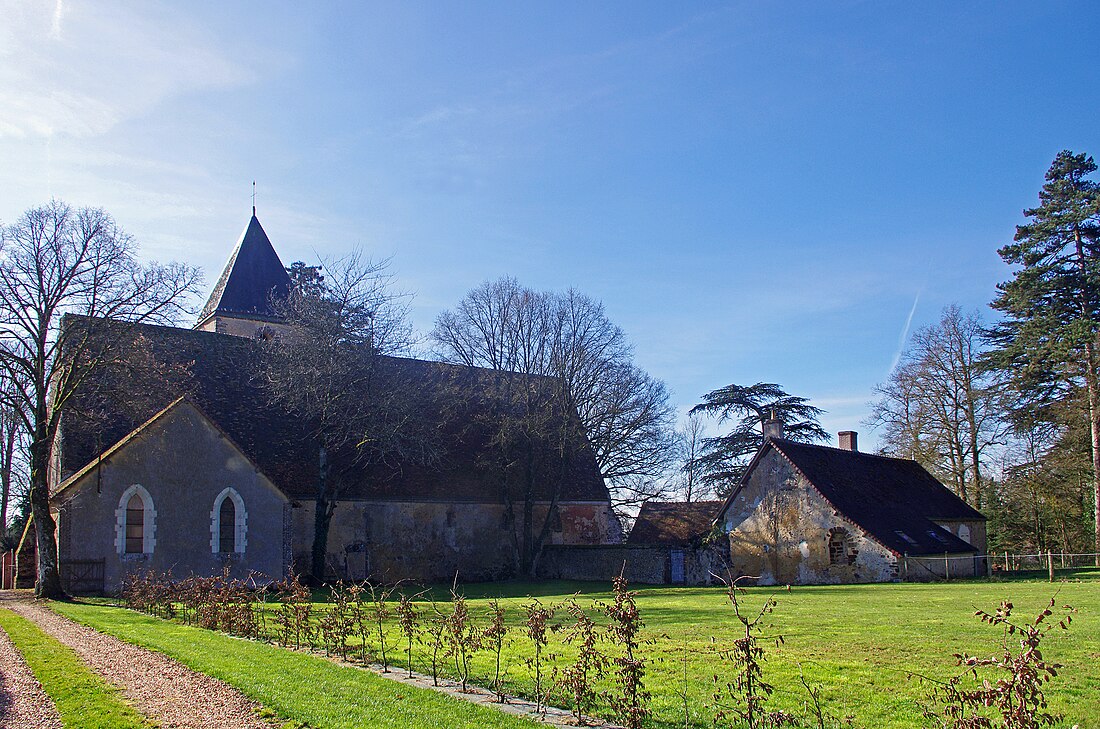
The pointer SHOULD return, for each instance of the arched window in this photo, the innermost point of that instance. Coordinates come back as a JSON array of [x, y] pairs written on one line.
[[839, 546], [135, 526], [228, 523], [227, 540], [964, 533], [135, 522]]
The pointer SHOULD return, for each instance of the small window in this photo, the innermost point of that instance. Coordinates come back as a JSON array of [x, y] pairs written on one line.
[[135, 525], [908, 539], [838, 546], [227, 527]]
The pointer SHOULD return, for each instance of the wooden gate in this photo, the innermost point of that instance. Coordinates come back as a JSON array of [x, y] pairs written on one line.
[[83, 576]]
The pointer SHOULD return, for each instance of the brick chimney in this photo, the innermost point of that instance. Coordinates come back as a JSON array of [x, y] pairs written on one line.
[[847, 440], [773, 427]]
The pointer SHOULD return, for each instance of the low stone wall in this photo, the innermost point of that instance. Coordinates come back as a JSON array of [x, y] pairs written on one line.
[[642, 564], [646, 565]]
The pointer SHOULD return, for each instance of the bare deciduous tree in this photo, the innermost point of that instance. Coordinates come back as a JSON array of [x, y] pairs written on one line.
[[555, 354], [13, 484], [691, 437], [940, 408], [330, 368], [57, 260]]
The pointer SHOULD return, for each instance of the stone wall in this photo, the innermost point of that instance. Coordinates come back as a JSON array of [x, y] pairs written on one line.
[[432, 541], [779, 530], [247, 328], [640, 564], [183, 464]]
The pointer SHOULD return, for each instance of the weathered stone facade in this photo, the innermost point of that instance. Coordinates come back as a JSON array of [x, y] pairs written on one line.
[[432, 541], [181, 468], [779, 530], [782, 529]]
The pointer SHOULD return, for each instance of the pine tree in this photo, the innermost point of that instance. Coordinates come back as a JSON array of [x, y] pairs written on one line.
[[725, 457], [1048, 341]]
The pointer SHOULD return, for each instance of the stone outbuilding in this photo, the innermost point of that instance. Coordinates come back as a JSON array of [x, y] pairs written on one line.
[[685, 535], [811, 514]]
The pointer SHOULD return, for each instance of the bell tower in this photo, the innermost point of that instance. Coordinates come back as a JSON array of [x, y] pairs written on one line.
[[254, 280]]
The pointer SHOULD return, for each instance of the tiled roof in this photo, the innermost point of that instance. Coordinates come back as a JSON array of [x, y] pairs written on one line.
[[895, 500], [223, 380], [253, 276], [675, 524]]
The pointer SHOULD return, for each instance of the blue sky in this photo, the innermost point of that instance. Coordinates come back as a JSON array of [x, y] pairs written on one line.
[[756, 191]]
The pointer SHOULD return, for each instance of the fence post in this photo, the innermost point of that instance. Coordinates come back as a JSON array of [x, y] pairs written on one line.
[[946, 567], [1050, 564], [1007, 568], [905, 565]]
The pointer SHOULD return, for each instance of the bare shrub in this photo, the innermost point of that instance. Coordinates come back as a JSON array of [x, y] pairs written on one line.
[[337, 623], [537, 626], [436, 637], [150, 592], [577, 678], [629, 699], [1004, 690], [408, 620], [380, 611], [493, 636], [463, 637], [742, 699], [295, 609]]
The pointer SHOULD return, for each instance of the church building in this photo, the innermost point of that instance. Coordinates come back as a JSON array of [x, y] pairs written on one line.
[[197, 470]]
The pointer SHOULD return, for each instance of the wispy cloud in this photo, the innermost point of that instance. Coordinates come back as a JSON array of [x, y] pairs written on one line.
[[79, 70], [904, 336]]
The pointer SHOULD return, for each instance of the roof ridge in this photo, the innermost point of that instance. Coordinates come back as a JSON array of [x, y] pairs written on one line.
[[844, 450]]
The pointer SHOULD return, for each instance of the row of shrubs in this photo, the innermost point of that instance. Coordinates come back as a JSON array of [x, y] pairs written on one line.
[[360, 620]]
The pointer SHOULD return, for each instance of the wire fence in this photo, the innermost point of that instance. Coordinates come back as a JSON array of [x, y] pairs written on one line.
[[1041, 560], [927, 568]]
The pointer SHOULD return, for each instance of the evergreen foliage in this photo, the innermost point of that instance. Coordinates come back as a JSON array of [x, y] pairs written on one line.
[[724, 458], [1047, 342]]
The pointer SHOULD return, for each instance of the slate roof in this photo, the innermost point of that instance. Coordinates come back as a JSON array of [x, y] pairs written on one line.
[[253, 276], [221, 379], [894, 500], [674, 524]]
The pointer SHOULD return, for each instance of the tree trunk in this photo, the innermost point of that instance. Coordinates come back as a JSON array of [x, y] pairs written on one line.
[[48, 584], [1091, 386], [322, 518], [975, 459], [527, 556], [8, 457]]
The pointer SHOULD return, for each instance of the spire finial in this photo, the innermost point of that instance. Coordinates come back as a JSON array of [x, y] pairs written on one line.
[[253, 198]]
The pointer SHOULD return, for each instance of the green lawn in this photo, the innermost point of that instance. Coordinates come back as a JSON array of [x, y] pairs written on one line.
[[294, 685], [857, 642], [82, 698]]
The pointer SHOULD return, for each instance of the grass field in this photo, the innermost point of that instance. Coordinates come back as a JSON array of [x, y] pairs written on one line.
[[82, 698], [859, 643], [303, 688]]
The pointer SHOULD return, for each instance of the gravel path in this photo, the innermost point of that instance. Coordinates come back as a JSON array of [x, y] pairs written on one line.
[[160, 687], [23, 703]]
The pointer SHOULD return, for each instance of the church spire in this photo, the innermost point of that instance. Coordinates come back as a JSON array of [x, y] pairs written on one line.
[[252, 279]]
